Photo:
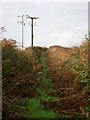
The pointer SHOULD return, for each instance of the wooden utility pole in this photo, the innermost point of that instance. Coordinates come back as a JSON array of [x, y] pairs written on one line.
[[32, 24], [22, 25]]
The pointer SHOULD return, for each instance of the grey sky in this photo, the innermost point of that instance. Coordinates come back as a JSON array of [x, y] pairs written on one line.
[[59, 23]]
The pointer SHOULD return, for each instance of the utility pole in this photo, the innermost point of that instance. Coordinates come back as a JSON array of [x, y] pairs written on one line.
[[22, 27], [32, 24]]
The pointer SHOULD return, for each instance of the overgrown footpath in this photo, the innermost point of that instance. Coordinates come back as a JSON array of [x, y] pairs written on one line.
[[25, 84], [32, 89], [43, 87]]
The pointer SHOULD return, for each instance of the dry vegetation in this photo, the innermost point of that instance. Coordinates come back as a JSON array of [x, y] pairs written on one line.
[[45, 83]]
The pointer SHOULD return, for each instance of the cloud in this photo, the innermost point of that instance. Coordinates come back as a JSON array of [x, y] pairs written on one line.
[[58, 24], [70, 38], [67, 35], [66, 38]]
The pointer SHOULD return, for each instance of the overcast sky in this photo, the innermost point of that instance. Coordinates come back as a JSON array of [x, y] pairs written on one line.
[[59, 23]]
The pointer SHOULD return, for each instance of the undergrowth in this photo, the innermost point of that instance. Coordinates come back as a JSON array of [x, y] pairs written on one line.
[[26, 88]]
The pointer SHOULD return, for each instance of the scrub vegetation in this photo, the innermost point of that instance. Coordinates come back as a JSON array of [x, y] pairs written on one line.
[[40, 83]]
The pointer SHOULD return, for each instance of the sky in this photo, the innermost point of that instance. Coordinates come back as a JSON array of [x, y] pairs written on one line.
[[60, 23]]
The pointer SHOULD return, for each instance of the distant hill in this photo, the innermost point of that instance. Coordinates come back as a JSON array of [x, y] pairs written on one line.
[[56, 54]]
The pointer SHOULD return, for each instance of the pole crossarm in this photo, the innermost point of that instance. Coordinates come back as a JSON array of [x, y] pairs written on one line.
[[33, 17]]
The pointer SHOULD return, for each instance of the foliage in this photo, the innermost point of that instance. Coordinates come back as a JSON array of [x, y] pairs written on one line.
[[79, 65], [14, 58], [32, 108], [45, 84], [43, 62], [79, 116], [21, 76], [35, 110], [15, 64]]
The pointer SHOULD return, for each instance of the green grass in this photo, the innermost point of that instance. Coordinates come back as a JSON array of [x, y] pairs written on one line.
[[43, 114], [36, 110]]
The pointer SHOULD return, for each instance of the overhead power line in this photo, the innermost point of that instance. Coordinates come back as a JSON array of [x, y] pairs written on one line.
[[22, 22]]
